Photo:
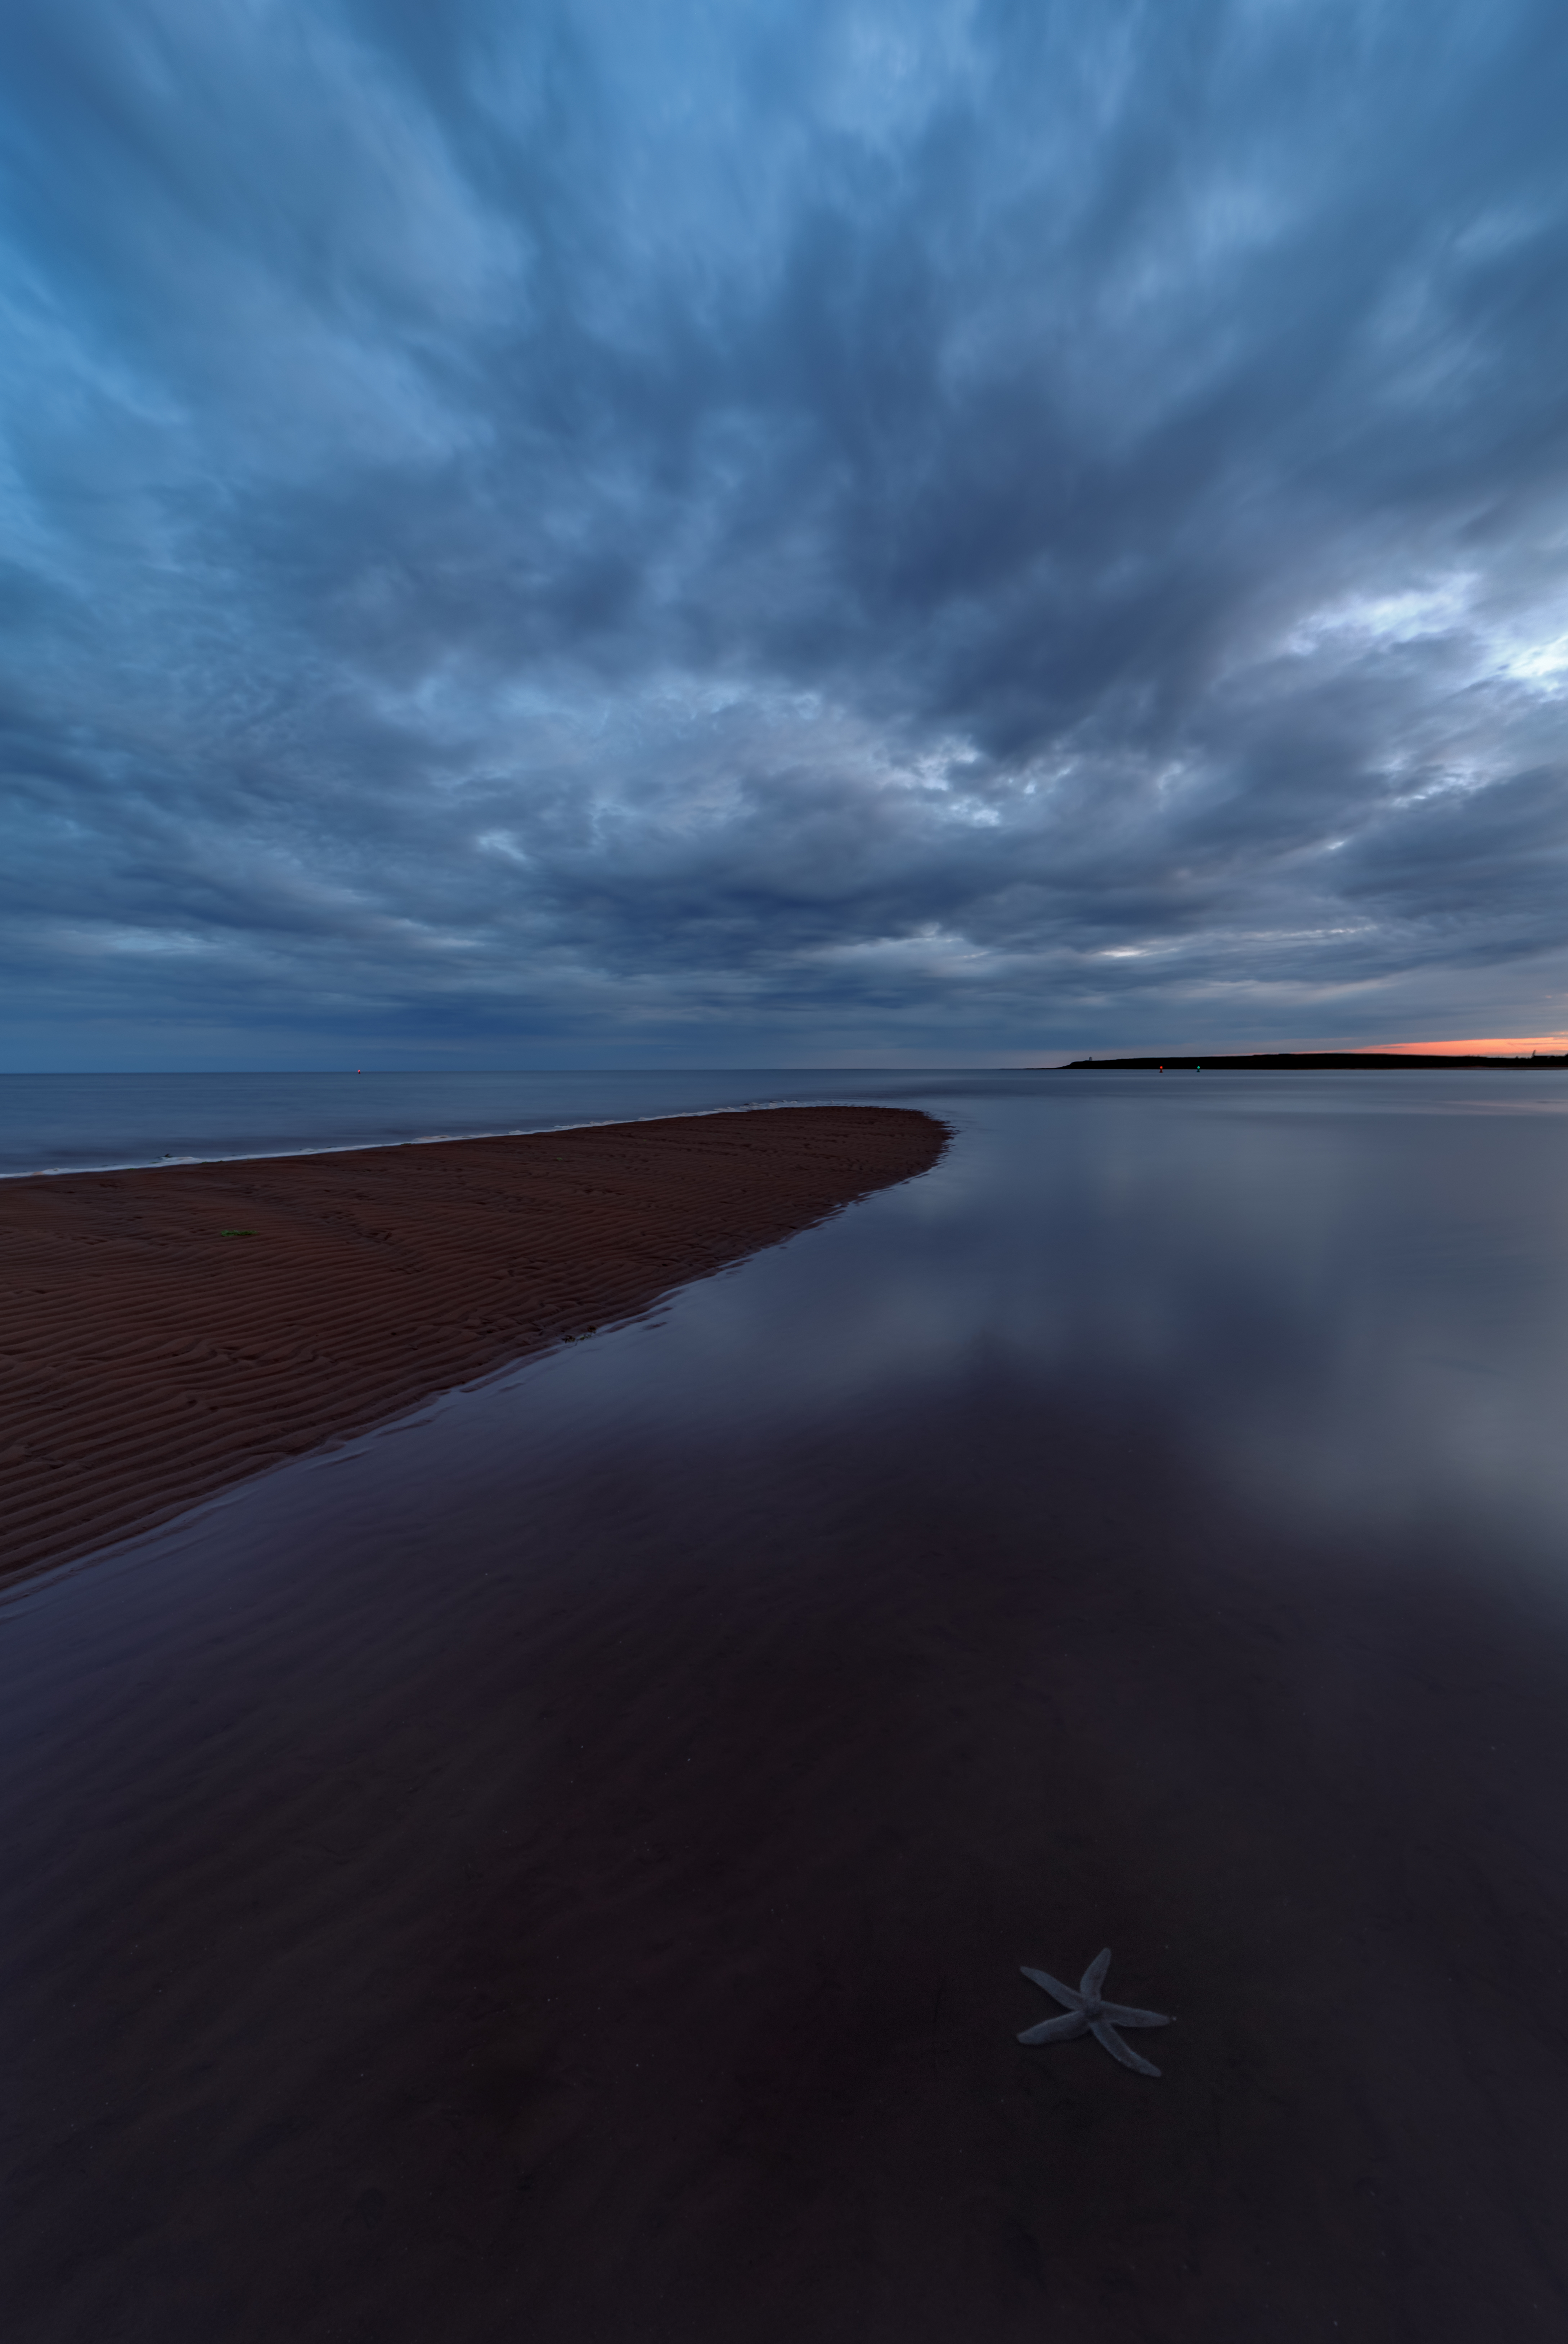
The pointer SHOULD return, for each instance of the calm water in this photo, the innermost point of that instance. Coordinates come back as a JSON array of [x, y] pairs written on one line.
[[563, 1859], [57, 1123]]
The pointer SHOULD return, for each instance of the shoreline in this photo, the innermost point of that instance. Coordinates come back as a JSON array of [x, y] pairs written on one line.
[[566, 1870], [386, 1147], [174, 1328]]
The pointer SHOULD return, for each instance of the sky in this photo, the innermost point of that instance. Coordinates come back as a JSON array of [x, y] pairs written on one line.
[[760, 532]]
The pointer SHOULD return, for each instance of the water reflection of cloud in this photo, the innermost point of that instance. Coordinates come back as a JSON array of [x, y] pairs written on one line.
[[1345, 1303]]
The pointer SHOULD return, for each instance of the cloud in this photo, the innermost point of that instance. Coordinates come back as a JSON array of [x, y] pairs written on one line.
[[781, 531]]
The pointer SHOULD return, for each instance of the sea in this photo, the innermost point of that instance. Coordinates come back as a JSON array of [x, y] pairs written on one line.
[[71, 1123], [561, 1862]]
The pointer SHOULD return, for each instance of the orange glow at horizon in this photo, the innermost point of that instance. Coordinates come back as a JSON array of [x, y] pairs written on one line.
[[1513, 1044]]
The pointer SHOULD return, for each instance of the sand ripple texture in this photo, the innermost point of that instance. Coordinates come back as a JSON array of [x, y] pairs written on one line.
[[167, 1332]]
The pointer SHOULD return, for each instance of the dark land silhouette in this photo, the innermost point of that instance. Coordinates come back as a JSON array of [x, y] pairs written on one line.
[[1304, 1062]]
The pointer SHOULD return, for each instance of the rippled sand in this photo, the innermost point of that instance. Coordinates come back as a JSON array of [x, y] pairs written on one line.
[[171, 1330]]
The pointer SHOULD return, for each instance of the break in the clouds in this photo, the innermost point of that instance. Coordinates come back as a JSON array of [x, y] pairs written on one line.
[[748, 530]]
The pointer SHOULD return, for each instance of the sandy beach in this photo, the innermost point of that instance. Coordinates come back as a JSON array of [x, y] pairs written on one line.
[[563, 1870], [169, 1332]]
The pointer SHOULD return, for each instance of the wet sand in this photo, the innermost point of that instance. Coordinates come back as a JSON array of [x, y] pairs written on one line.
[[560, 1871], [617, 1942], [172, 1330]]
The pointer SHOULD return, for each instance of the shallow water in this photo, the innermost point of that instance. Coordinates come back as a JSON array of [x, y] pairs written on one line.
[[62, 1123], [560, 1864]]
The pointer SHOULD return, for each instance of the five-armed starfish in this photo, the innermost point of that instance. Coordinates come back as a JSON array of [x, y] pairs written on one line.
[[1088, 2015]]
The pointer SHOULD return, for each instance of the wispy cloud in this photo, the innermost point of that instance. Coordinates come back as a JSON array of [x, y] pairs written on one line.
[[782, 531]]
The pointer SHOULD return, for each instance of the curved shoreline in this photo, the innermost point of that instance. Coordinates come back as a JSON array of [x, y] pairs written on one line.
[[172, 1329], [378, 1146]]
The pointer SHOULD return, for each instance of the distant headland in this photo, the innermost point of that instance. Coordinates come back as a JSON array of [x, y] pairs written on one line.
[[1303, 1062]]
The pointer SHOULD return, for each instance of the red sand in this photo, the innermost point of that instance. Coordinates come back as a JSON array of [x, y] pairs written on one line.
[[577, 1894], [149, 1358]]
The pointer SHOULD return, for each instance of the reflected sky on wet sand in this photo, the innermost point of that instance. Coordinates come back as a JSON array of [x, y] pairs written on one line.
[[560, 1864]]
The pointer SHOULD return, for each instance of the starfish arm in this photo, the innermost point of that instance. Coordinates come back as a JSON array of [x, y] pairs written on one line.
[[1121, 2014], [1063, 1994], [1104, 2033], [1093, 1978], [1056, 2030]]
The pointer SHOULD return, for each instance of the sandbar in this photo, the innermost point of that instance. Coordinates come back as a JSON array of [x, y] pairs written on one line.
[[169, 1332]]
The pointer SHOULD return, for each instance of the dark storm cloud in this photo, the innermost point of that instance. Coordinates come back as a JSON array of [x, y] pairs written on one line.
[[777, 530]]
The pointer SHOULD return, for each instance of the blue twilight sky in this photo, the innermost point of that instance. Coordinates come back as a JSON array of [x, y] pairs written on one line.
[[750, 532]]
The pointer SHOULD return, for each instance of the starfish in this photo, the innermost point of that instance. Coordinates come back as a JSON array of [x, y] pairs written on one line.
[[1086, 2014]]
